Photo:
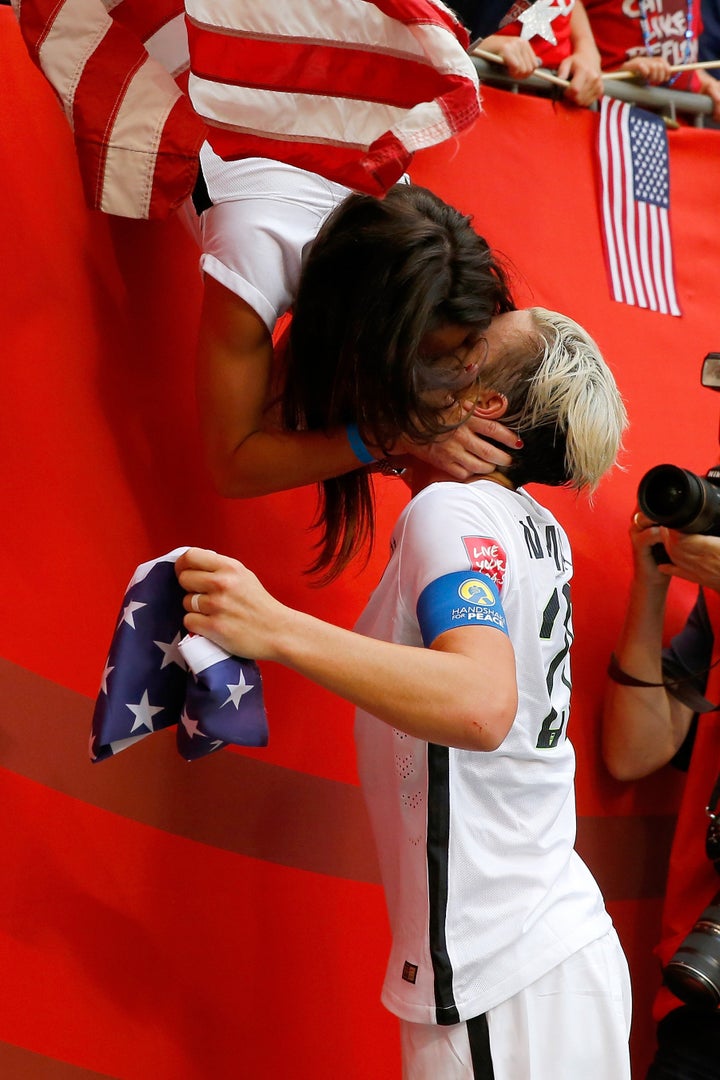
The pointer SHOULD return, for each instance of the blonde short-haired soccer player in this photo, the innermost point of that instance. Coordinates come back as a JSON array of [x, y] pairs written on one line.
[[504, 962]]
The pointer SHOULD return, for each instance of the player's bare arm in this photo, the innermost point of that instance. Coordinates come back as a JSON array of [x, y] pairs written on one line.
[[429, 693]]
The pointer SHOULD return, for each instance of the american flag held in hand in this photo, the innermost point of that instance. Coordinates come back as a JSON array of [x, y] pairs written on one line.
[[635, 207], [346, 88], [155, 678]]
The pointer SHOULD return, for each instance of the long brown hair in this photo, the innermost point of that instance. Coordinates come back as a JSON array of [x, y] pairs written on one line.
[[381, 274]]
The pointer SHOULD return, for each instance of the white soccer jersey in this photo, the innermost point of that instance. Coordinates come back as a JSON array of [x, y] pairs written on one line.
[[263, 216], [485, 892]]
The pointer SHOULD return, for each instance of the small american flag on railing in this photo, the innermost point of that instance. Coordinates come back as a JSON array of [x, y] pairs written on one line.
[[635, 207]]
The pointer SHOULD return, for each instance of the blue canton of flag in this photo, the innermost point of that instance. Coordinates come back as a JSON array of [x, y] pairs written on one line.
[[635, 206], [648, 147], [156, 678]]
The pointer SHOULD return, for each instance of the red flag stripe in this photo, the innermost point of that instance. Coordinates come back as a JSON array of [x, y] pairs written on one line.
[[668, 276], [303, 68], [36, 19], [395, 26], [373, 172], [362, 76], [415, 11], [176, 166], [126, 112], [121, 108], [146, 19], [142, 114], [376, 82]]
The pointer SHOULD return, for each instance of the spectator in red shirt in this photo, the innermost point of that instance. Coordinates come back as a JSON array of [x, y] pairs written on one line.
[[649, 37], [553, 34]]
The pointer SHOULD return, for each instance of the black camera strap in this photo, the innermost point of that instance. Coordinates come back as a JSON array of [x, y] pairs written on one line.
[[681, 687], [684, 688], [684, 691]]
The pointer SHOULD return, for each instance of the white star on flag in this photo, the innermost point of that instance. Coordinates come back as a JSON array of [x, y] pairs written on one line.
[[129, 611], [191, 726], [537, 19], [144, 712], [237, 691], [171, 653], [105, 674], [151, 688]]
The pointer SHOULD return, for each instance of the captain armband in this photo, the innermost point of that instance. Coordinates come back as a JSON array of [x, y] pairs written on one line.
[[464, 598]]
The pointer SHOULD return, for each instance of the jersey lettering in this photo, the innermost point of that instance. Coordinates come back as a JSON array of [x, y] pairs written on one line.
[[556, 628], [552, 543], [487, 556], [532, 540], [535, 546]]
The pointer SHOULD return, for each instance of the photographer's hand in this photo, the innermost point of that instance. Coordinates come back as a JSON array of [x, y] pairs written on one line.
[[645, 535], [694, 558]]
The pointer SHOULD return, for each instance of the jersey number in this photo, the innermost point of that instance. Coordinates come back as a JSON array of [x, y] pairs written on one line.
[[556, 615]]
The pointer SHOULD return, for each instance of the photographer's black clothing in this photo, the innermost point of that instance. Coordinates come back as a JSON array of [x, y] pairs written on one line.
[[688, 1046], [688, 1039], [690, 652]]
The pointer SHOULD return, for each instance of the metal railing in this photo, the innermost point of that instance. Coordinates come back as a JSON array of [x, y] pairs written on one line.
[[694, 108]]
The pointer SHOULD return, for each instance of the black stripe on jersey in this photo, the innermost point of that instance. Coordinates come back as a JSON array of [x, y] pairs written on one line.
[[550, 615], [438, 840], [479, 1039]]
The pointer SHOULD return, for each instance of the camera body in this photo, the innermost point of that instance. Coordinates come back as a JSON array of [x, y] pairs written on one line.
[[678, 498], [693, 973]]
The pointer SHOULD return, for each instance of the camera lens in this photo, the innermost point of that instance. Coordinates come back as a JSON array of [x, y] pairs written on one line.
[[693, 973], [679, 499]]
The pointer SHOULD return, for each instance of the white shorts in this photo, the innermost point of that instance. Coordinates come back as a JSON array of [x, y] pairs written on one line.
[[572, 1024]]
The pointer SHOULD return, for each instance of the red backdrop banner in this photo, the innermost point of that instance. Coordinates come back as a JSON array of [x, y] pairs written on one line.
[[225, 918]]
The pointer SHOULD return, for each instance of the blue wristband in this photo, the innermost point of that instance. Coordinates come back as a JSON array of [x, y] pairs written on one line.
[[357, 446]]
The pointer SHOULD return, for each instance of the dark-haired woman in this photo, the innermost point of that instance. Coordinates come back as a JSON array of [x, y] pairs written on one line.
[[391, 278]]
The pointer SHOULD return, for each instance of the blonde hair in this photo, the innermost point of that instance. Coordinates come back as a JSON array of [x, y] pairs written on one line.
[[562, 400]]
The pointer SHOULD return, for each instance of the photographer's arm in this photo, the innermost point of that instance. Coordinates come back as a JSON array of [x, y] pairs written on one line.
[[643, 726], [429, 693]]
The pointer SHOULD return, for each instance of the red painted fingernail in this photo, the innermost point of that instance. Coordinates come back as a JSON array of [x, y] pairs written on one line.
[[519, 443]]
